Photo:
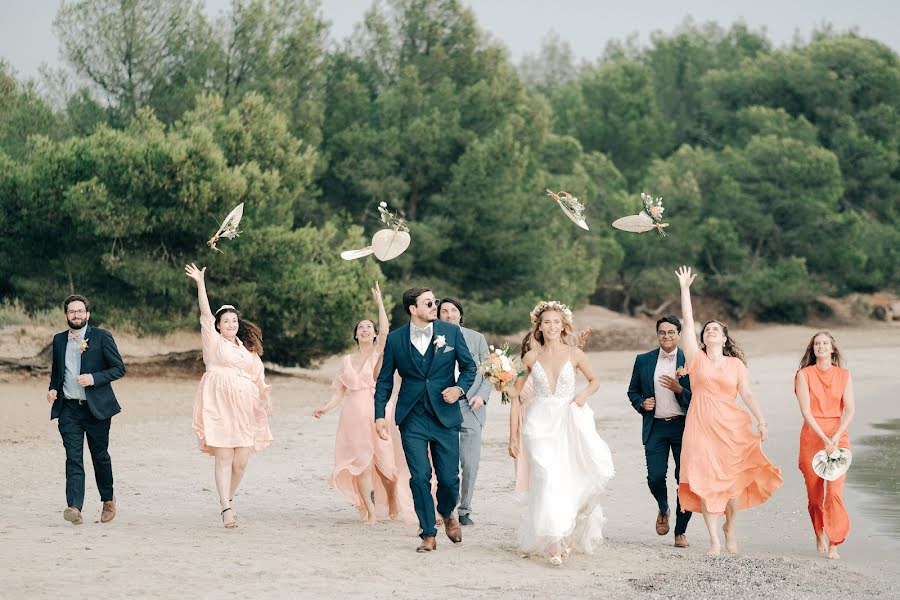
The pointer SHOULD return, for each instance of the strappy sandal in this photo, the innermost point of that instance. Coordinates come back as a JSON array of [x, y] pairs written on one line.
[[233, 524], [556, 560]]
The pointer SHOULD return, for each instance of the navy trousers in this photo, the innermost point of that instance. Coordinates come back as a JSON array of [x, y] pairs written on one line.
[[75, 423], [665, 437], [420, 432]]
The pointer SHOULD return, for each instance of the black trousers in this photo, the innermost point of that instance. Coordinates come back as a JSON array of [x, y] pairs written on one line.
[[75, 423], [665, 437]]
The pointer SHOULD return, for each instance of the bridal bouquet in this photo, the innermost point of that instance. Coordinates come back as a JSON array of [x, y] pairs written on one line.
[[501, 367]]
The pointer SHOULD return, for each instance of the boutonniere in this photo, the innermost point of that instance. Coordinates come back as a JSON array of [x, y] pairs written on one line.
[[83, 345], [440, 341], [681, 372]]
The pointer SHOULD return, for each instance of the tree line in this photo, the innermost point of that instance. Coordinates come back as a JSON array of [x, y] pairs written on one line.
[[778, 166]]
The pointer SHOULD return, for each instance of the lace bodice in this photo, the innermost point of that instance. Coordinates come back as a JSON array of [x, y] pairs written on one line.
[[565, 383]]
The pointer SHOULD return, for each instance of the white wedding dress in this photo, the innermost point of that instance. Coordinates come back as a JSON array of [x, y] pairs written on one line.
[[569, 466]]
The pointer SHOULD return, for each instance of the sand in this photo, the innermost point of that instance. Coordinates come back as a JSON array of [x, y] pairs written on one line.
[[297, 538]]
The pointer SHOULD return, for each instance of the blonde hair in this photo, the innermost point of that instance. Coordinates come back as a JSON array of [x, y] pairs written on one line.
[[568, 336]]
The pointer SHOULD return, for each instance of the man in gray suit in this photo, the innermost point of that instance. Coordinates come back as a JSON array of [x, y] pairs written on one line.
[[474, 411]]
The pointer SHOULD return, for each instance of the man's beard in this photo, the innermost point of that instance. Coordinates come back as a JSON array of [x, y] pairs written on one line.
[[76, 326]]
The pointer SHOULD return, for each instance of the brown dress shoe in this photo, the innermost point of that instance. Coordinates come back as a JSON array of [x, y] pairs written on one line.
[[681, 541], [109, 511], [662, 523], [428, 544], [73, 516], [453, 529]]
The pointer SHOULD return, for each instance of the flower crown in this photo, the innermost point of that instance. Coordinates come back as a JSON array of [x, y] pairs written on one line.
[[543, 305]]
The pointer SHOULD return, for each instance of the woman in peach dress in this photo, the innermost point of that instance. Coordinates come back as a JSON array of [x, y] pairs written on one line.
[[364, 463], [825, 392], [232, 404], [723, 468]]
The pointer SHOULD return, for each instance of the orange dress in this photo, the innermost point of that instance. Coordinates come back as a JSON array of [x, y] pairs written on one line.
[[357, 445], [825, 498], [232, 404], [721, 456]]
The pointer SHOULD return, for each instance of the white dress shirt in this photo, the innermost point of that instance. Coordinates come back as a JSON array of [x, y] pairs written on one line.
[[421, 337], [666, 404]]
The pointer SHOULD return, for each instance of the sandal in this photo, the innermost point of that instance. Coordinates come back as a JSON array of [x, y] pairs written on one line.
[[233, 524], [556, 560]]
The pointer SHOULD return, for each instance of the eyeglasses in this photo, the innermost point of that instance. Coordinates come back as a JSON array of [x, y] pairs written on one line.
[[429, 304], [73, 313], [666, 333]]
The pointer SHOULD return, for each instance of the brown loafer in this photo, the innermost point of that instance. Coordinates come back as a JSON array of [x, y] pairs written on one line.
[[662, 523], [109, 511], [453, 529], [73, 515], [681, 541], [429, 544]]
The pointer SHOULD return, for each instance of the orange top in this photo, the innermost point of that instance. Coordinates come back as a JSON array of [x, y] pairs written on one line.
[[826, 390]]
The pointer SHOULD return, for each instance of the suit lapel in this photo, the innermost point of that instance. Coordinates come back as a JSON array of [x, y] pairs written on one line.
[[650, 370], [87, 332], [413, 360], [429, 354], [679, 359]]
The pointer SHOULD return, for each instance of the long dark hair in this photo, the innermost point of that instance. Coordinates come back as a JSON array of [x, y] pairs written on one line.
[[809, 356], [355, 327], [248, 332], [730, 348]]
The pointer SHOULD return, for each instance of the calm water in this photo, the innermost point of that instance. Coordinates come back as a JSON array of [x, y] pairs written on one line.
[[876, 470]]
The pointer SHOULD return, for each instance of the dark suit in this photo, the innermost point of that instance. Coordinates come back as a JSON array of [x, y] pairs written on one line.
[[90, 418], [426, 421], [660, 436]]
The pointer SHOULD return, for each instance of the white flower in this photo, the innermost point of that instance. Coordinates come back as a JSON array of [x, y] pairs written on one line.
[[382, 204], [491, 348], [504, 362], [498, 352], [440, 341]]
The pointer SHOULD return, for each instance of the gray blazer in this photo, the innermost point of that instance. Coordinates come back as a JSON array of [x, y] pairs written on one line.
[[478, 347]]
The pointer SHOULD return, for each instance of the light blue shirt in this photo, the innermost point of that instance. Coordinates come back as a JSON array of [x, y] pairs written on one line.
[[71, 389]]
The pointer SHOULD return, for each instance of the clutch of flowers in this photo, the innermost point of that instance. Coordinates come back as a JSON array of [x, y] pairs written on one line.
[[501, 367], [832, 466]]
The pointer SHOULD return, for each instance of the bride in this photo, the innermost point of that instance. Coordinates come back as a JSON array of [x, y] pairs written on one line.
[[569, 464]]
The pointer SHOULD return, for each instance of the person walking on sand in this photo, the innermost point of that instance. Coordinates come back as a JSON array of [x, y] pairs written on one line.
[[232, 404]]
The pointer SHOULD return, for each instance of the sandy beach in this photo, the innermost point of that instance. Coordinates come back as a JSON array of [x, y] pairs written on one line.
[[297, 538]]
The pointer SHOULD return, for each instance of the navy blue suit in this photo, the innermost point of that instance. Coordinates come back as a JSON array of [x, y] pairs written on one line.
[[660, 436], [426, 421], [90, 418]]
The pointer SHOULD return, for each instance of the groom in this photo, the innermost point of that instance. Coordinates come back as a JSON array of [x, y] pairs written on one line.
[[662, 399], [425, 353]]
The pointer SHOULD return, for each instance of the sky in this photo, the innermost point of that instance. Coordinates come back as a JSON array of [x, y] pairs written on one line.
[[27, 40]]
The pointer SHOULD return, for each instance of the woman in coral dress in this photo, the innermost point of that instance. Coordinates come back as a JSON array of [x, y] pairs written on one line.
[[364, 464], [825, 392], [723, 468], [232, 404]]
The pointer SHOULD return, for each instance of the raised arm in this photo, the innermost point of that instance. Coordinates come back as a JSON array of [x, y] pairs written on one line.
[[383, 324], [685, 279], [199, 276]]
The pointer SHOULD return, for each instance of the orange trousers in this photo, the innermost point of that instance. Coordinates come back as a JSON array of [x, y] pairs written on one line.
[[825, 498]]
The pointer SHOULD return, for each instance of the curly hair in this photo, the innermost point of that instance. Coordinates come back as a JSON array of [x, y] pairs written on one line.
[[568, 336], [730, 348], [809, 356], [249, 333]]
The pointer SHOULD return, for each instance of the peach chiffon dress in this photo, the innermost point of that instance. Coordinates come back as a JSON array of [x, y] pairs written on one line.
[[232, 404], [357, 445], [825, 500], [721, 456]]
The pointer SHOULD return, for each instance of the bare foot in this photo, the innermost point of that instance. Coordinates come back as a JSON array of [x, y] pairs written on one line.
[[833, 553], [370, 519], [822, 543], [714, 548], [393, 509], [730, 540]]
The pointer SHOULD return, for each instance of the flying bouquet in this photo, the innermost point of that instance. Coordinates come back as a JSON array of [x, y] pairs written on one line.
[[501, 368], [386, 243], [229, 228], [571, 207], [831, 466], [648, 219]]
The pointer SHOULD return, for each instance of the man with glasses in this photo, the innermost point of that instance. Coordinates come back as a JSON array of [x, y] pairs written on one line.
[[662, 398], [425, 352], [85, 362]]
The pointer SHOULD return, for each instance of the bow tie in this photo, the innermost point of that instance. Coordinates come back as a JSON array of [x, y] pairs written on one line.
[[418, 331], [665, 356], [73, 336]]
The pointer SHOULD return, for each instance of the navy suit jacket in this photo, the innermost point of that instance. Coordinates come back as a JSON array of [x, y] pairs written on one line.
[[101, 359], [642, 387], [436, 374]]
